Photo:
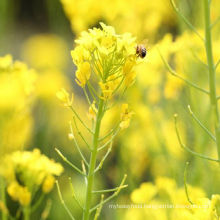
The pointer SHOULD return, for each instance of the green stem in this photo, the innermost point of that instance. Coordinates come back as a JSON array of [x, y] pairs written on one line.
[[92, 164], [26, 213], [185, 184], [212, 77], [4, 214]]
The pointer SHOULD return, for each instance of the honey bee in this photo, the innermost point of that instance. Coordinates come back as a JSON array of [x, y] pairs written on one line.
[[141, 51]]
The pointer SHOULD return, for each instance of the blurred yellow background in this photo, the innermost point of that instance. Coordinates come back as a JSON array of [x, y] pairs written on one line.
[[41, 33]]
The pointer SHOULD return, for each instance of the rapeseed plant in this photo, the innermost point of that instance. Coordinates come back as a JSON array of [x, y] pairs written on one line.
[[166, 201], [211, 67], [17, 86], [106, 65], [28, 176]]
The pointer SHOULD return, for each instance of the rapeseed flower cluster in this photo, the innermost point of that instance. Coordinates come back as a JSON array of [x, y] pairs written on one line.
[[106, 66], [167, 201], [106, 58], [138, 17], [17, 87], [26, 172], [48, 54]]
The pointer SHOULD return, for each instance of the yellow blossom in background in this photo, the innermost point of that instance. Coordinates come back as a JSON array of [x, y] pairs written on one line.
[[125, 116], [5, 62], [165, 192], [125, 15], [19, 193], [144, 194], [106, 64], [17, 83], [49, 55], [45, 51], [48, 184], [17, 87], [25, 172]]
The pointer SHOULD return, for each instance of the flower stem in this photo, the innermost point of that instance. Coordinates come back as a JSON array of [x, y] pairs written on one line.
[[4, 214], [92, 164], [212, 74], [26, 213]]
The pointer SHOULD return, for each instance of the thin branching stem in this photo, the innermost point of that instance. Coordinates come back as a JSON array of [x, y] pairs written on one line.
[[76, 114], [98, 210], [92, 90], [46, 210], [77, 146], [103, 159], [109, 133], [215, 22], [173, 72], [201, 124], [109, 141], [110, 197], [80, 134], [109, 190], [217, 63], [87, 96], [185, 184], [73, 194], [119, 85], [62, 201], [68, 162], [186, 21], [199, 60], [188, 149], [37, 204]]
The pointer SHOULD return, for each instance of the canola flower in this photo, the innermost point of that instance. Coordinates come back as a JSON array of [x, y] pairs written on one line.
[[17, 89], [164, 200], [47, 53], [27, 173], [105, 56], [142, 18], [106, 67]]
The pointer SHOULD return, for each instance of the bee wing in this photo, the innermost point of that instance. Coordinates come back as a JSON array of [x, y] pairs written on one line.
[[145, 43]]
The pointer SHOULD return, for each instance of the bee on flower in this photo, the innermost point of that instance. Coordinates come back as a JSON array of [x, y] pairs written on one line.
[[105, 59], [105, 64]]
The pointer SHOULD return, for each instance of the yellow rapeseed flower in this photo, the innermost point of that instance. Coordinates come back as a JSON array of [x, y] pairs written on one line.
[[5, 62], [48, 184], [166, 192], [17, 87], [64, 97], [92, 111], [125, 116], [43, 51], [83, 73], [105, 58], [19, 193], [25, 171]]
